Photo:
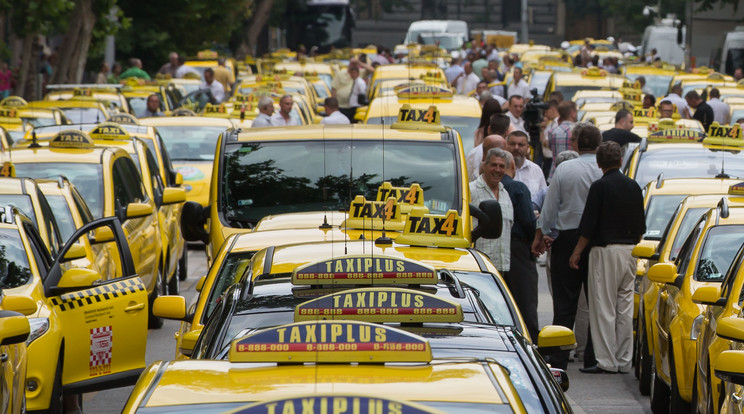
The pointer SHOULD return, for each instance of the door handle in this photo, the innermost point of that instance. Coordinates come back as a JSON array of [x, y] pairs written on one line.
[[4, 357], [664, 295], [736, 398], [134, 308]]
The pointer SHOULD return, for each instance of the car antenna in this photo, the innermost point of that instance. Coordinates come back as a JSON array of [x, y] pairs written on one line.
[[384, 240], [723, 174], [34, 141], [325, 225]]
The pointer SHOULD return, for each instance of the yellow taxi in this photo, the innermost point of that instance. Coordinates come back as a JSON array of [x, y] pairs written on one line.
[[414, 239], [720, 319], [458, 112], [208, 59], [303, 169], [658, 80], [590, 96], [702, 261], [14, 330], [191, 142], [568, 83], [27, 197], [362, 365], [105, 93], [714, 80], [323, 71], [110, 182], [87, 331], [403, 72], [79, 110], [732, 372], [679, 153], [34, 117]]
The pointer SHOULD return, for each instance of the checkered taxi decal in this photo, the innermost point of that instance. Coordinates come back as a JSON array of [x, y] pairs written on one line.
[[97, 294]]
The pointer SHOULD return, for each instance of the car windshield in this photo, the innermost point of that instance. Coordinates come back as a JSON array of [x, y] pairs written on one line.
[[489, 293], [658, 84], [190, 143], [569, 91], [20, 201], [446, 41], [40, 121], [540, 81], [88, 178], [62, 215], [721, 245], [84, 115], [14, 267], [658, 212], [688, 163], [464, 125], [688, 221], [263, 178]]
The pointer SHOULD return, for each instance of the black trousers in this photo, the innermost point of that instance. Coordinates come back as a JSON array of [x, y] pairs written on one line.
[[521, 280], [566, 283]]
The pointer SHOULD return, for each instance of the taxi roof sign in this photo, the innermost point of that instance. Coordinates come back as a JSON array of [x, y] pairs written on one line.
[[332, 342], [71, 138], [365, 270], [736, 189], [376, 215], [640, 112], [384, 304], [109, 131], [667, 130], [728, 135], [123, 118], [13, 101], [423, 91], [8, 112], [326, 403], [419, 119], [433, 230], [408, 197]]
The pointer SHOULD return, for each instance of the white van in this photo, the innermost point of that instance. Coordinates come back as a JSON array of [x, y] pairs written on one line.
[[456, 33], [663, 37], [732, 54]]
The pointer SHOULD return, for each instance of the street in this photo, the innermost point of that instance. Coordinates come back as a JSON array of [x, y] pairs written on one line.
[[589, 393]]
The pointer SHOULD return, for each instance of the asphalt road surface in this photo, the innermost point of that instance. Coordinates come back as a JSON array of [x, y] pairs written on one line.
[[588, 393]]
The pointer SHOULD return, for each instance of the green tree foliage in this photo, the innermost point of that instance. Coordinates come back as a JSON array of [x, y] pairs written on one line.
[[184, 26]]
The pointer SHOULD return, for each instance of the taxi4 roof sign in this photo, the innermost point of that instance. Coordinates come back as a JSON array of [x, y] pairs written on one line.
[[728, 135], [434, 230], [408, 197], [386, 304], [8, 112], [109, 131], [364, 270], [123, 118], [419, 119], [640, 112], [376, 215], [331, 342], [71, 138], [667, 130], [326, 403], [414, 91]]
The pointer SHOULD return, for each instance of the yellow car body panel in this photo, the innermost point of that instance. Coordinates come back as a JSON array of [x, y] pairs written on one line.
[[675, 311], [403, 72], [570, 82], [13, 376], [225, 382], [77, 110], [111, 95]]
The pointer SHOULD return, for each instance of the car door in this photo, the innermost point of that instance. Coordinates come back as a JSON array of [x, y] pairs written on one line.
[[104, 322]]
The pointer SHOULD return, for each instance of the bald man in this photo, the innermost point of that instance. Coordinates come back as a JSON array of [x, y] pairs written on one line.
[[475, 163]]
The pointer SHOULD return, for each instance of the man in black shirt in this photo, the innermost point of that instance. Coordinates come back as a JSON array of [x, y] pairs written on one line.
[[703, 111], [612, 223], [521, 278], [621, 133]]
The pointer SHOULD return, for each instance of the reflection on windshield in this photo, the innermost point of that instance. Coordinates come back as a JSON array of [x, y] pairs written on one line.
[[84, 115], [688, 163], [721, 245], [659, 211], [466, 126], [283, 177], [192, 143], [88, 178], [62, 215], [688, 221], [569, 91], [14, 268], [658, 84]]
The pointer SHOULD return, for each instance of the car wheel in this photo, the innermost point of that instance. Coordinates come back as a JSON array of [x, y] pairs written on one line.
[[57, 402], [659, 392], [644, 361], [183, 264], [153, 321], [676, 403]]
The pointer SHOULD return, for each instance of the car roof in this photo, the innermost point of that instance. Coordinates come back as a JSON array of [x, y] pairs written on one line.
[[335, 132]]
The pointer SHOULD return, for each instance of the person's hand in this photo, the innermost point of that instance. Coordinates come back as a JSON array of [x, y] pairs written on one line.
[[548, 241], [573, 261], [538, 246]]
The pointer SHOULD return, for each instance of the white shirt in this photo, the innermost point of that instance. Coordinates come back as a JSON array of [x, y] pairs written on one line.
[[467, 83], [566, 197], [721, 111], [218, 91], [335, 118], [518, 123], [498, 250], [521, 89], [358, 88], [498, 98], [453, 72], [262, 120], [473, 160], [678, 101], [278, 120], [532, 176], [184, 69]]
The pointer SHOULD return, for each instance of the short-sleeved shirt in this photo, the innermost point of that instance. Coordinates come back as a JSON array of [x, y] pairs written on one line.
[[278, 120], [531, 175], [566, 197], [521, 89], [358, 88], [336, 118], [721, 111], [224, 76], [262, 120], [218, 91], [342, 83], [498, 250]]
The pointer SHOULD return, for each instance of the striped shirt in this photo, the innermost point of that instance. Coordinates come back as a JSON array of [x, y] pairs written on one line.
[[498, 250]]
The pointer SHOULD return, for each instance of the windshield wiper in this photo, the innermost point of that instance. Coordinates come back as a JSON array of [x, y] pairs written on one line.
[[241, 220]]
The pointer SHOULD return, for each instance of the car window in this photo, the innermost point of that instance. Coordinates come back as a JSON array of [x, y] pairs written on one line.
[[733, 271], [15, 269], [692, 215], [718, 250], [658, 212], [63, 216], [191, 143], [685, 251], [232, 270], [22, 202], [87, 178], [155, 178], [55, 240]]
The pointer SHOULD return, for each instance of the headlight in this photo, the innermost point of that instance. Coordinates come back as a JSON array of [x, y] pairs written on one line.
[[697, 325], [39, 326], [637, 284]]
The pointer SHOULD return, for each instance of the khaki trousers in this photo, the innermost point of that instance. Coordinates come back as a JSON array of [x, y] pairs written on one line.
[[611, 276]]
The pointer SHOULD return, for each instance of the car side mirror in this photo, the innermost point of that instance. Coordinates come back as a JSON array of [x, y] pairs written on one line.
[[708, 295], [200, 283], [170, 307], [646, 249], [76, 251], [14, 328], [173, 195], [730, 367], [665, 273], [489, 225], [22, 304], [101, 235], [193, 219], [77, 278], [555, 338], [137, 210], [731, 328], [179, 179]]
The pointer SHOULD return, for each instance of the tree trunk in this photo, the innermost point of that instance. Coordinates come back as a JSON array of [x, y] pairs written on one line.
[[260, 18], [23, 75], [74, 50]]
